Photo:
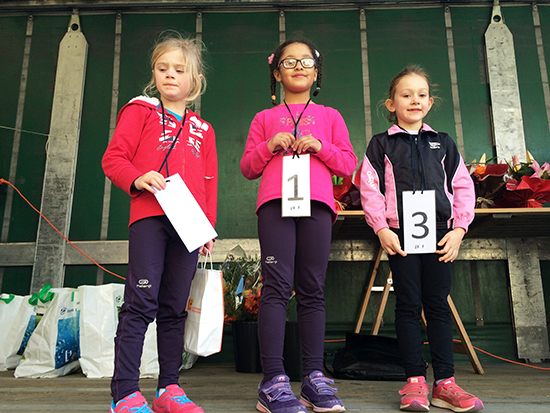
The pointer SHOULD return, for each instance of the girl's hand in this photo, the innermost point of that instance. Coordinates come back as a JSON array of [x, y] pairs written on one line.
[[451, 245], [209, 246], [307, 143], [390, 242], [150, 181], [283, 140]]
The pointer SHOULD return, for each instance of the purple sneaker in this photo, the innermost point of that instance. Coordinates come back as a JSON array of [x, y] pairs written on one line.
[[275, 396], [318, 394]]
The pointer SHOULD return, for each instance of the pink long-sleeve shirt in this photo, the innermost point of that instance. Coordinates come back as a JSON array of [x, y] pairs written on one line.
[[336, 156]]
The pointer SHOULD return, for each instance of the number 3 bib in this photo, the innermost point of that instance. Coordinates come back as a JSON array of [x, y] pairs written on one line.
[[296, 194], [419, 222]]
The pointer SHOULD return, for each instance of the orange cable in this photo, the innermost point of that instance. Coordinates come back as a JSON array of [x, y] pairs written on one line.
[[3, 181]]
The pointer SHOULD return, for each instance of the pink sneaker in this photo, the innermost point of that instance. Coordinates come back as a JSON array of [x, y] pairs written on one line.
[[134, 402], [449, 395], [174, 400], [415, 395]]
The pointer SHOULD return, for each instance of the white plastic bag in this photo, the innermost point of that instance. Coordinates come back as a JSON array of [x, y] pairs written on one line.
[[205, 312], [98, 325], [18, 318], [52, 349], [16, 315]]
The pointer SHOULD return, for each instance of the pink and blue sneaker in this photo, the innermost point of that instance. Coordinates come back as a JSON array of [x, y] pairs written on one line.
[[174, 400], [133, 403]]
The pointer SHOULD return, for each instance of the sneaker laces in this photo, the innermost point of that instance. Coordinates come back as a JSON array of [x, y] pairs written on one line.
[[140, 409], [279, 391], [321, 384], [181, 399]]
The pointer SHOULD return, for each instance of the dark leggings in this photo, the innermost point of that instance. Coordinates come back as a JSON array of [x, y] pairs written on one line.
[[160, 271], [421, 281], [293, 250]]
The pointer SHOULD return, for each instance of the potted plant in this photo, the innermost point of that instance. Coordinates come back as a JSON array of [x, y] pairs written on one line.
[[242, 290]]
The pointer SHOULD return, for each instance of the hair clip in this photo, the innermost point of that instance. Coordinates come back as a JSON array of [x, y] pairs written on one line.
[[317, 90], [317, 54], [270, 58]]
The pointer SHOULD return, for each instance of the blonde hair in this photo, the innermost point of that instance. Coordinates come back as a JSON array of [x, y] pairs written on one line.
[[191, 50]]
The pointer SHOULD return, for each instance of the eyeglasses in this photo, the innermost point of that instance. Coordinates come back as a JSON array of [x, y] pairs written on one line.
[[307, 63]]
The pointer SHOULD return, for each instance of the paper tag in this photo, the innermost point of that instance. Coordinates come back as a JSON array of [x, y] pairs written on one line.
[[419, 222], [296, 195], [185, 214]]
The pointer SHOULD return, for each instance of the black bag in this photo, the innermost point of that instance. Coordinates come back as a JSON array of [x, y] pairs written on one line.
[[368, 357]]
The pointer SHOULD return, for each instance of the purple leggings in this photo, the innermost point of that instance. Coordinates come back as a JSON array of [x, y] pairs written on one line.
[[160, 271], [293, 250]]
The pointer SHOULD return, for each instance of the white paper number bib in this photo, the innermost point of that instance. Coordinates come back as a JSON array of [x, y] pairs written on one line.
[[296, 194], [419, 222]]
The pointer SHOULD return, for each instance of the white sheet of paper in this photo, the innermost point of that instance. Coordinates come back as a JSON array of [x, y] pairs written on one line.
[[185, 213], [296, 194], [419, 222]]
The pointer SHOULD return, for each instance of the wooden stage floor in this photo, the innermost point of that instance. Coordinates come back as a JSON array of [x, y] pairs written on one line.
[[217, 387]]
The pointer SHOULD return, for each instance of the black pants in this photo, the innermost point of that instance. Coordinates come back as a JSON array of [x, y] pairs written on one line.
[[160, 271], [294, 250], [421, 281]]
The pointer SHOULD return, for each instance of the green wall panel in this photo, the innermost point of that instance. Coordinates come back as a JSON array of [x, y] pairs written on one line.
[[238, 87], [469, 26], [89, 185], [16, 280], [12, 44], [397, 38], [47, 33]]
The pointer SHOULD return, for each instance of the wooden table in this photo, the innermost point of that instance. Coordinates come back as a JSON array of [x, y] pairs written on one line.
[[520, 236]]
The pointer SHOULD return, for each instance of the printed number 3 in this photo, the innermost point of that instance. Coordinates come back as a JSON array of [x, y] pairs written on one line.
[[295, 197], [421, 225]]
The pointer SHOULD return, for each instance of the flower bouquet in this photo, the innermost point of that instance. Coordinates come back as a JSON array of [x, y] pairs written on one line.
[[529, 185], [242, 286], [489, 181]]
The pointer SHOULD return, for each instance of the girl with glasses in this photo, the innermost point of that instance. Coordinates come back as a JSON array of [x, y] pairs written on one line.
[[295, 243]]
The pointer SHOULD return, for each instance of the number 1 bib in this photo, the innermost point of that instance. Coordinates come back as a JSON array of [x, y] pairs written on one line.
[[419, 222], [296, 194]]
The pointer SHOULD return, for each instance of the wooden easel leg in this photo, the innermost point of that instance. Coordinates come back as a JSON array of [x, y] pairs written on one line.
[[368, 291], [465, 345], [382, 305]]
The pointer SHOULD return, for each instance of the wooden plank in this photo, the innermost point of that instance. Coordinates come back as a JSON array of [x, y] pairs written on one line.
[[382, 305], [368, 291]]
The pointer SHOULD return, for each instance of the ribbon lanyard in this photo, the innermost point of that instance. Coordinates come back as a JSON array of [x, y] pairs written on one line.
[[296, 122], [174, 141]]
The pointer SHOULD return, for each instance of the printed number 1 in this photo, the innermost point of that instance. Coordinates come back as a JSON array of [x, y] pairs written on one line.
[[421, 225], [295, 197]]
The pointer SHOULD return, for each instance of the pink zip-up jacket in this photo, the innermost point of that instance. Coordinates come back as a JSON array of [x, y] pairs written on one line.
[[336, 156], [396, 161], [139, 146]]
